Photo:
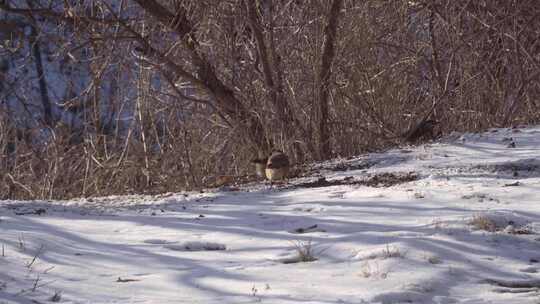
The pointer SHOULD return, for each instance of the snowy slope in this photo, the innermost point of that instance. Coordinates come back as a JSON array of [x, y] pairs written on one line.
[[461, 227]]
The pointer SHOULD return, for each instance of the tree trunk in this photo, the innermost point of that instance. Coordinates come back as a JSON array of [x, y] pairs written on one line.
[[45, 101], [271, 68], [325, 149]]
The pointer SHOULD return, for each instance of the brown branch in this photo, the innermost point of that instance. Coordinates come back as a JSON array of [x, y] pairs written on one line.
[[224, 96], [51, 14], [266, 54]]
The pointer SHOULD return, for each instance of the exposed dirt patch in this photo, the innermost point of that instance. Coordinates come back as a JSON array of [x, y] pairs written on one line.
[[519, 167], [481, 197], [374, 180], [389, 179], [349, 167], [346, 165], [501, 223]]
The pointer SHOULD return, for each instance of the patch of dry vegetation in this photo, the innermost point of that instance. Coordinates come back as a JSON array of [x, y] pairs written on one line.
[[166, 106]]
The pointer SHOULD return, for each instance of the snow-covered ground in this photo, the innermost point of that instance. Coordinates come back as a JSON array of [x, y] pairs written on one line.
[[451, 222]]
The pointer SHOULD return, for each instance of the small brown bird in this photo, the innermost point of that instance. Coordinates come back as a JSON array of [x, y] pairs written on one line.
[[424, 130], [260, 166], [277, 166]]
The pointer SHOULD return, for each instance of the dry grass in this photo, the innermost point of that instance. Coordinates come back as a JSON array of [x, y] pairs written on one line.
[[56, 297], [304, 253], [392, 252], [482, 222], [372, 270], [173, 143], [433, 259]]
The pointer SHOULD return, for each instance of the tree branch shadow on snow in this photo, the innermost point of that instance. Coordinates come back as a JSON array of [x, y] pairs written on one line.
[[227, 213]]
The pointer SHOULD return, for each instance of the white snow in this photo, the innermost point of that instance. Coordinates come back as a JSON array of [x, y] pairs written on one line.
[[421, 241]]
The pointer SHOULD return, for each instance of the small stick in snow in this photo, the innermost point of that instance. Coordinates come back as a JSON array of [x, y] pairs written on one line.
[[36, 281], [38, 253], [120, 280]]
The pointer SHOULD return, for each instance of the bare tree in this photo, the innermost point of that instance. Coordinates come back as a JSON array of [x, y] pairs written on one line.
[[155, 95], [330, 32]]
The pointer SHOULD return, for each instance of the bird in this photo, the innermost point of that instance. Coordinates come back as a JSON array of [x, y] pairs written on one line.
[[260, 166], [424, 130], [277, 166]]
